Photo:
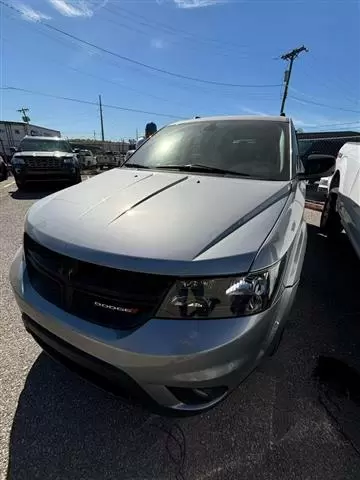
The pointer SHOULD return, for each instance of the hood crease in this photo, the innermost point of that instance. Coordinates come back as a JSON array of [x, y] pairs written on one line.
[[148, 197], [284, 192]]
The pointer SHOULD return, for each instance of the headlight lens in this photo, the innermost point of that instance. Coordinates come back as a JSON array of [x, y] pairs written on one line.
[[69, 159], [222, 297], [324, 181], [18, 161]]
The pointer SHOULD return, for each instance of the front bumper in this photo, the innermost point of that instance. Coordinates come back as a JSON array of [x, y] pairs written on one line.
[[25, 175], [162, 359]]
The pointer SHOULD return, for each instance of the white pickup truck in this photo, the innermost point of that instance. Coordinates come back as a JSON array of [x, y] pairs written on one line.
[[87, 159], [109, 160], [342, 205]]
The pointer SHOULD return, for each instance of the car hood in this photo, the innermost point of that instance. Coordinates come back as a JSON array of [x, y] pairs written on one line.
[[160, 221]]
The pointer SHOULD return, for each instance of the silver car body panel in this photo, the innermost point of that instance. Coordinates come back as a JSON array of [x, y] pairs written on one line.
[[161, 222], [284, 230], [257, 118]]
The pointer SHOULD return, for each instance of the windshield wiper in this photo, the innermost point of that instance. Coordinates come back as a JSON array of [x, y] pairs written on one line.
[[196, 167], [134, 165]]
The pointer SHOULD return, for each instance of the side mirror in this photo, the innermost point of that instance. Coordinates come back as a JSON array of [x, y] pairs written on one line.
[[13, 149], [317, 166]]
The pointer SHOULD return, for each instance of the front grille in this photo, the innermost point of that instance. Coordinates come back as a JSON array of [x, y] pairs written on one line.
[[44, 163], [76, 287]]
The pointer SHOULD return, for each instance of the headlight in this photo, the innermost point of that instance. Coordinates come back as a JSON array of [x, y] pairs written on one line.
[[18, 161], [324, 181], [70, 160], [222, 297]]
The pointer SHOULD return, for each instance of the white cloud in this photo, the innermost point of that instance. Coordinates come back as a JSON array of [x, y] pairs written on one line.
[[157, 43], [77, 8], [197, 3], [299, 122], [254, 112], [32, 15]]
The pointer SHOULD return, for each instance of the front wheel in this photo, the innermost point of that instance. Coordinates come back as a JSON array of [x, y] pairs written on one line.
[[77, 178], [20, 184], [330, 222], [3, 172]]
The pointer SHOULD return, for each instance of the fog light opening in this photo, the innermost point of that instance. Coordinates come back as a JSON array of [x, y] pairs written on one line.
[[198, 396]]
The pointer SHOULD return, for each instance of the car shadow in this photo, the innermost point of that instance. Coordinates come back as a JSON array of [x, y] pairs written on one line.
[[36, 192], [90, 171], [323, 334], [65, 428], [312, 194]]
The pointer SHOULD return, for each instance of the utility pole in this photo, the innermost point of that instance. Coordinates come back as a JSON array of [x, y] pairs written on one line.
[[101, 120], [289, 57], [25, 118]]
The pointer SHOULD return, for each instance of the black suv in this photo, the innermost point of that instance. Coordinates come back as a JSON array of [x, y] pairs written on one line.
[[40, 159], [3, 169]]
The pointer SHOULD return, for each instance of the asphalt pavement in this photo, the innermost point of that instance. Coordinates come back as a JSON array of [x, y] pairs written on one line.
[[293, 418]]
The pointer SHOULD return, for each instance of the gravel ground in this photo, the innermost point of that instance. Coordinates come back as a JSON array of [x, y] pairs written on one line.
[[276, 426]]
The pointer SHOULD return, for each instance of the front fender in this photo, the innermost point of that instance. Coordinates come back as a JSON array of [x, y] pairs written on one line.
[[288, 227]]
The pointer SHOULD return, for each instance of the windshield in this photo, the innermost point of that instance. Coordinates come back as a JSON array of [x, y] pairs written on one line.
[[257, 149], [36, 145]]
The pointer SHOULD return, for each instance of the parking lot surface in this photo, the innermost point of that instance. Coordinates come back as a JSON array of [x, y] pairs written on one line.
[[296, 417]]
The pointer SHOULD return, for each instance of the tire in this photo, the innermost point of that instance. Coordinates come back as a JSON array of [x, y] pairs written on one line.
[[3, 171], [20, 185], [330, 222], [77, 179]]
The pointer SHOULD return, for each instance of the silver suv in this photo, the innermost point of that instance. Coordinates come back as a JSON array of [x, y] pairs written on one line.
[[171, 278]]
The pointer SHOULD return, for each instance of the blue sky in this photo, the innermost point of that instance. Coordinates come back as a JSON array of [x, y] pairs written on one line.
[[231, 42]]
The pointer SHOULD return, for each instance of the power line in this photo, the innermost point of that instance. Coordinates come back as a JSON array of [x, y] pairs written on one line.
[[155, 69], [136, 62], [342, 124], [301, 100], [200, 89], [97, 77], [339, 124], [311, 97], [117, 107], [87, 102], [345, 88], [170, 29], [173, 41]]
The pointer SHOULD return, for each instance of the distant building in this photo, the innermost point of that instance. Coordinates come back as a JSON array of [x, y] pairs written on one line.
[[11, 134]]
